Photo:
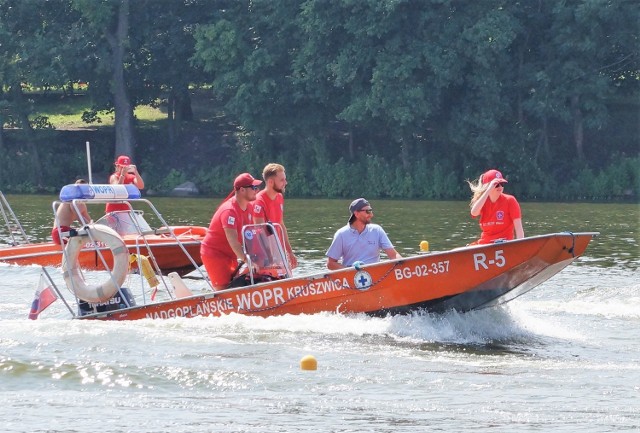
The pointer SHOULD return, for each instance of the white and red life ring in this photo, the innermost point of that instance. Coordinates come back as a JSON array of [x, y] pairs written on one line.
[[104, 235]]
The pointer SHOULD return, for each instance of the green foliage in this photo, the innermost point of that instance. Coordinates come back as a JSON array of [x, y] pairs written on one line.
[[336, 180], [170, 181], [41, 122], [398, 99]]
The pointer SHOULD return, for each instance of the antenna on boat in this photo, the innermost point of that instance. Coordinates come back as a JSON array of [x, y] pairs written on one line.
[[89, 162]]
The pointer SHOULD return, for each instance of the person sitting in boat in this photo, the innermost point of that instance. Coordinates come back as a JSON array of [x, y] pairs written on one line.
[[66, 215], [360, 241], [221, 249], [500, 215], [125, 173], [269, 205]]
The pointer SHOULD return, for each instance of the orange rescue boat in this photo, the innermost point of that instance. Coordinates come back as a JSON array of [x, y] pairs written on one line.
[[131, 225], [463, 279]]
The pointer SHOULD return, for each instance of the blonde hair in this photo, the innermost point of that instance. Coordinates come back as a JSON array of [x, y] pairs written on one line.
[[477, 188], [271, 170]]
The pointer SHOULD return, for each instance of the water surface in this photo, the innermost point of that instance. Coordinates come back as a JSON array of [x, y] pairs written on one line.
[[565, 357]]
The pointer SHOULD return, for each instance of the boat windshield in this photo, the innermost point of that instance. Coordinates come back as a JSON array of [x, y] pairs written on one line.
[[262, 245], [126, 222]]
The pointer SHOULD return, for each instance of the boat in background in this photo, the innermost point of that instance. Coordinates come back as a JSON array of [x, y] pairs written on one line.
[[130, 224], [463, 279]]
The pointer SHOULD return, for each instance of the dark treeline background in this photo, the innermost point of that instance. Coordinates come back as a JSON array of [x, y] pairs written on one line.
[[382, 98]]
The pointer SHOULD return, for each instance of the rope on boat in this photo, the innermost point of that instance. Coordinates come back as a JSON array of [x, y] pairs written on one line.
[[573, 243], [259, 310]]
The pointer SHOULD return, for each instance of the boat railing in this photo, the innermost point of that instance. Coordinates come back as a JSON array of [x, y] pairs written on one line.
[[11, 222], [266, 258], [130, 223]]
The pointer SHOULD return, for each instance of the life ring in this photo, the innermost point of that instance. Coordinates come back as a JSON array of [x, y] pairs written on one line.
[[192, 232], [71, 266]]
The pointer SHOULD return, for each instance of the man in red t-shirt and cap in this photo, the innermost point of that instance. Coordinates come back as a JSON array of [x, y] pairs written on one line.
[[221, 250]]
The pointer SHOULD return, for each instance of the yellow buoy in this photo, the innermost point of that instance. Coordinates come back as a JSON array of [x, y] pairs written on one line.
[[308, 363], [424, 246]]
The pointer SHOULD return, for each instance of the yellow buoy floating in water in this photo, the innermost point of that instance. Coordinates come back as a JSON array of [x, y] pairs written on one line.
[[308, 362], [424, 246]]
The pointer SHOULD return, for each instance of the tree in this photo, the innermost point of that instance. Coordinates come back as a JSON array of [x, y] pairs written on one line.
[[164, 41], [579, 60], [32, 38], [107, 22]]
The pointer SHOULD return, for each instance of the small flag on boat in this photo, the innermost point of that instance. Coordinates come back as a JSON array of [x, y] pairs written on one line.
[[44, 297]]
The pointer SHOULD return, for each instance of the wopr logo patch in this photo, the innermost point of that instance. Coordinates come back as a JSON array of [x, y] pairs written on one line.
[[362, 280]]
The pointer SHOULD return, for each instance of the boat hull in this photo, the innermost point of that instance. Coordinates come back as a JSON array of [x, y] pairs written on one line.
[[462, 279]]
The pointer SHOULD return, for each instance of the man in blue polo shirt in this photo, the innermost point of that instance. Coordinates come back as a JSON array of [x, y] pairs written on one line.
[[359, 240]]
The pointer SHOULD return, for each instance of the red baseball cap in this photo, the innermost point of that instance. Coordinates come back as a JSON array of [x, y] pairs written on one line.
[[123, 160], [489, 175], [244, 180]]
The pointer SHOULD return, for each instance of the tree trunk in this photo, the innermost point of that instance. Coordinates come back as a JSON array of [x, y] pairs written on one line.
[[171, 118], [178, 110], [352, 150], [2, 145], [2, 111], [543, 140], [20, 105], [405, 154], [123, 109], [578, 126], [183, 109]]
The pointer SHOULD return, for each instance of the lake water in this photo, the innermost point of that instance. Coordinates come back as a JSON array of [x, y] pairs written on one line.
[[565, 357]]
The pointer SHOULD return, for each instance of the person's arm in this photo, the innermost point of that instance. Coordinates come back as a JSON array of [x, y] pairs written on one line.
[[138, 180], [114, 179], [333, 264], [335, 250], [84, 214], [392, 253], [517, 225], [232, 238], [476, 209], [257, 209], [293, 262]]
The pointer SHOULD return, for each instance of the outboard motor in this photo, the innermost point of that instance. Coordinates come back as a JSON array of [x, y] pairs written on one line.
[[122, 299]]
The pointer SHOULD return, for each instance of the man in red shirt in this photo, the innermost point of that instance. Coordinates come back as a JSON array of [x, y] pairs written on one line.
[[269, 205], [221, 249], [499, 213]]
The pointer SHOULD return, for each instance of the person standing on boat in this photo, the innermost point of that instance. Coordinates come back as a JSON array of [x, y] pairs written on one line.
[[360, 241], [269, 205], [125, 173], [500, 216], [221, 249], [66, 215]]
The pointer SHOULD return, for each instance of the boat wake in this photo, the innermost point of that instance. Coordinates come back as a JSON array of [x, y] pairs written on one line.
[[495, 326]]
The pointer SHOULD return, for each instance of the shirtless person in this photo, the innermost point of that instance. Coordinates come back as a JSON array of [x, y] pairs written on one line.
[[66, 215]]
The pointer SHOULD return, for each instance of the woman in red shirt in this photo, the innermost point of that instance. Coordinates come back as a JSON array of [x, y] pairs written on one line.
[[125, 173], [499, 213]]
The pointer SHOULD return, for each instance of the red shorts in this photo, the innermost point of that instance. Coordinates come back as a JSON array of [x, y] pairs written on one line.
[[55, 234], [220, 269]]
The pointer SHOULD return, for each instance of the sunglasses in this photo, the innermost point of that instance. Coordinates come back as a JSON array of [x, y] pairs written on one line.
[[253, 187], [367, 210]]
